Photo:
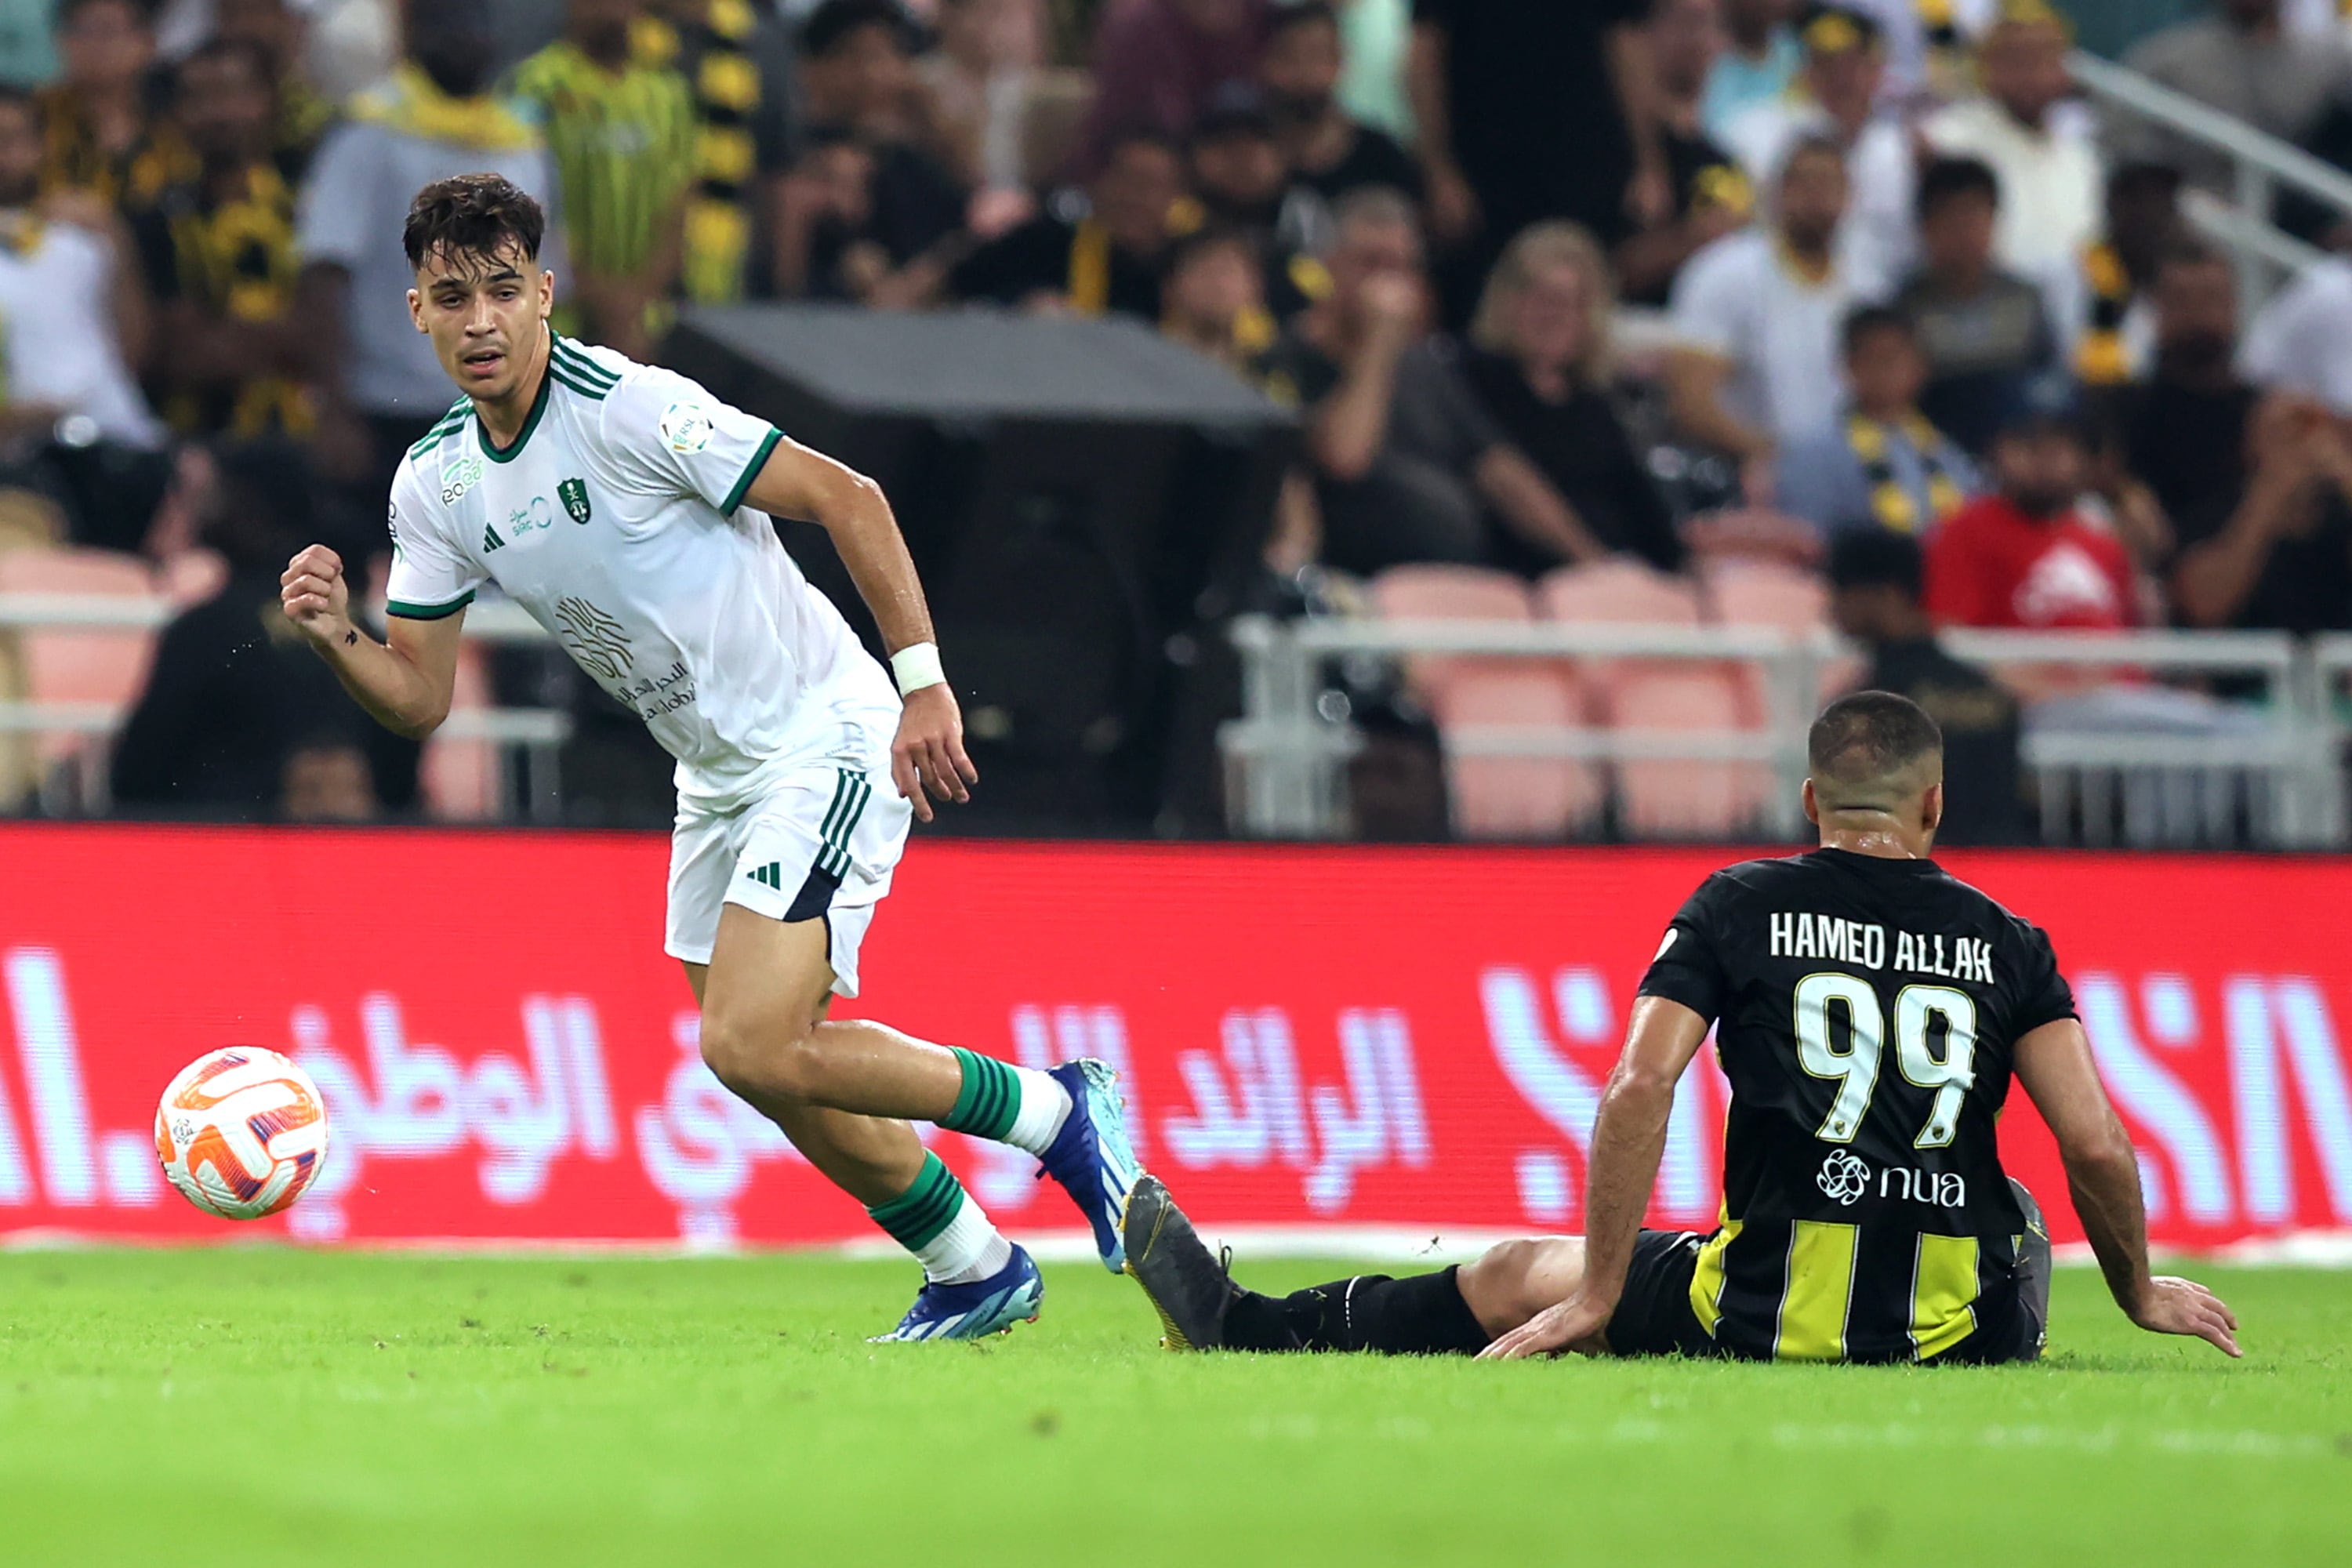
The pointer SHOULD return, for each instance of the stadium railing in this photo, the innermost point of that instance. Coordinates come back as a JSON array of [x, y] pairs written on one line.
[[526, 740], [2270, 778], [2260, 163]]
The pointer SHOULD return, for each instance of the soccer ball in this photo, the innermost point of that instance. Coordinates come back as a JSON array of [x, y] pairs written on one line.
[[241, 1132]]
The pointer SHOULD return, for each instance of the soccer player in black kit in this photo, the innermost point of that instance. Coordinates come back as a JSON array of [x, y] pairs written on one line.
[[1869, 1011]]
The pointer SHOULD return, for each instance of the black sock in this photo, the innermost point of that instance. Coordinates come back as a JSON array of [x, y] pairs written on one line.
[[1422, 1315]]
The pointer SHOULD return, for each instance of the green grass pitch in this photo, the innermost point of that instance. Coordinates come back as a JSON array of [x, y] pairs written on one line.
[[263, 1406]]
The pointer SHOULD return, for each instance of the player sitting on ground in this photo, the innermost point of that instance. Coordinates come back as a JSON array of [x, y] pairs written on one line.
[[629, 511], [1870, 1012]]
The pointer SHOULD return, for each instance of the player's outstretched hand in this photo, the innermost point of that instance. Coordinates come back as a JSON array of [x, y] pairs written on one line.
[[1576, 1324], [928, 753], [2174, 1305], [315, 596]]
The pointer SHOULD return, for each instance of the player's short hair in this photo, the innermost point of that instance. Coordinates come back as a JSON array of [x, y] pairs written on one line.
[[1866, 751], [1948, 179], [472, 214]]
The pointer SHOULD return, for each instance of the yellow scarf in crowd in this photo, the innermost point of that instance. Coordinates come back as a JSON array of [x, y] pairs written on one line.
[[410, 104]]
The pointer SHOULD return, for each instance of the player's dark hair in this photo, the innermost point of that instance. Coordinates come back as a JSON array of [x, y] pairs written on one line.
[[472, 214], [1307, 12], [835, 22], [1863, 745], [1864, 320], [1948, 179]]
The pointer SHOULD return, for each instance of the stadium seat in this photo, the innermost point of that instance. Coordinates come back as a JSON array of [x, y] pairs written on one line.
[[459, 779], [1449, 593], [104, 666], [1747, 591], [1516, 797], [1682, 799], [1617, 591]]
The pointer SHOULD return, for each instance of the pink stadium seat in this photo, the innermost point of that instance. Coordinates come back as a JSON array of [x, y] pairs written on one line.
[[1513, 797], [459, 779], [1617, 590], [1683, 799], [107, 667], [1449, 593], [1748, 592]]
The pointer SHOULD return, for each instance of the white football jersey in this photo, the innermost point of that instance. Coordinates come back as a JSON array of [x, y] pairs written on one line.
[[616, 518]]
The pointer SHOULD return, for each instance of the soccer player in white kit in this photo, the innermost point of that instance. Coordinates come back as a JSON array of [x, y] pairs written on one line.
[[629, 511]]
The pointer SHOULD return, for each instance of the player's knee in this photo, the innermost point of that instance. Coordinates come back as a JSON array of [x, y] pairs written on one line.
[[753, 1059]]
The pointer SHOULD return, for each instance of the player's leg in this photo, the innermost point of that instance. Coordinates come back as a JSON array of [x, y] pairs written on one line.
[[975, 1282], [819, 854]]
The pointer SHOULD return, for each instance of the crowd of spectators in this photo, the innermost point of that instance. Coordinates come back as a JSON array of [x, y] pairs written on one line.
[[1547, 282]]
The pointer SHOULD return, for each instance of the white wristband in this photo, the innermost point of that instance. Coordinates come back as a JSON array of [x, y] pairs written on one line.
[[917, 667]]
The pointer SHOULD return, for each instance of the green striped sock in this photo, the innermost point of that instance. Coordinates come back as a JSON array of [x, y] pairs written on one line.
[[1006, 1104], [936, 1221]]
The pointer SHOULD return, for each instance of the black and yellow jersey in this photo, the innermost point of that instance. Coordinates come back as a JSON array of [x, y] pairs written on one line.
[[1867, 1014], [231, 256]]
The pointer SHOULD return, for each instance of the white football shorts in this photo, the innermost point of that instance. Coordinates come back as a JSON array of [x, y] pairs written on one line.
[[822, 844]]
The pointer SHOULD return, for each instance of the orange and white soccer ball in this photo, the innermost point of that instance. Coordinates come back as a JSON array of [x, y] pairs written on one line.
[[241, 1132]]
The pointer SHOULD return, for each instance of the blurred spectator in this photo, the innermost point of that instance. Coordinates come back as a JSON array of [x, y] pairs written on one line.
[[1756, 322], [2302, 340], [2278, 555], [1845, 64], [1875, 591], [1214, 298], [2106, 316], [1711, 195], [1889, 469], [1330, 152], [301, 116], [2187, 427], [1396, 779], [1985, 330], [1407, 463], [217, 252], [1158, 62], [2051, 186], [2023, 557], [621, 137], [76, 315], [378, 385], [1540, 364], [2241, 62], [98, 131], [978, 81], [1534, 112], [1108, 256], [28, 49], [233, 690], [1376, 41], [859, 82], [1759, 66], [326, 779], [1240, 179], [737, 61]]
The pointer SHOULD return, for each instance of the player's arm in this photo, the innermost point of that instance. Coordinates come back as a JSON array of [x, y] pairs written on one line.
[[1629, 1139], [799, 483], [2054, 1064], [405, 683]]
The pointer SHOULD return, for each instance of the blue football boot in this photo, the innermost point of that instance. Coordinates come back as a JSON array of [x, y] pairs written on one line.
[[973, 1311], [1090, 1155]]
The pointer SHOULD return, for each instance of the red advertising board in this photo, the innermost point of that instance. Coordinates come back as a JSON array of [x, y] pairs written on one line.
[[1309, 1037]]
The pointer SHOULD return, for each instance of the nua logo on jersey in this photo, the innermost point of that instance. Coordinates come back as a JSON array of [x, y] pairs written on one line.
[[575, 494], [1845, 1177]]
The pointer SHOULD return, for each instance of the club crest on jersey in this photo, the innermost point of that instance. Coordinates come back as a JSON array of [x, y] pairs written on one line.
[[576, 499], [1843, 1175], [686, 427]]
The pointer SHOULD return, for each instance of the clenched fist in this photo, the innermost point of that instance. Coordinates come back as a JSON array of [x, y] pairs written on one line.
[[315, 596]]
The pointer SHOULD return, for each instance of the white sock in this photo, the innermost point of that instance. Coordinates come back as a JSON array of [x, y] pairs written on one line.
[[970, 1249], [1044, 1106]]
